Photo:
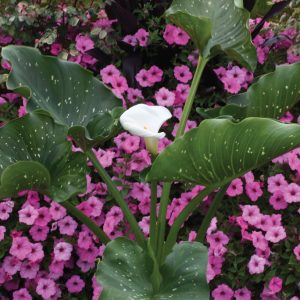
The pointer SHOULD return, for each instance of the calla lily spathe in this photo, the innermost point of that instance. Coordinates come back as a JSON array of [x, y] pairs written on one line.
[[145, 121]]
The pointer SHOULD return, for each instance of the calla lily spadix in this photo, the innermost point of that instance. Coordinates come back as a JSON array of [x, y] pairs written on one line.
[[145, 121]]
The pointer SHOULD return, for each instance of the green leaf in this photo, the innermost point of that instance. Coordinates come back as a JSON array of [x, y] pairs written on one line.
[[220, 150], [260, 8], [34, 155], [125, 273], [272, 95], [216, 26], [71, 94]]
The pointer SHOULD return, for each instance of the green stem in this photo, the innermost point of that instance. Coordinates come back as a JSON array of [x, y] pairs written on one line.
[[211, 213], [86, 221], [153, 232], [194, 203], [161, 225], [118, 197], [190, 100]]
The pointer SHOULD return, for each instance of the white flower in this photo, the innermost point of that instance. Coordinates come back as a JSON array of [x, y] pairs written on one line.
[[145, 121]]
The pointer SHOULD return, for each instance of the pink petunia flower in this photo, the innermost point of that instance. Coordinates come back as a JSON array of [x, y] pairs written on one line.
[[145, 225], [39, 233], [57, 211], [292, 193], [253, 190], [63, 251], [297, 252], [21, 294], [256, 264], [276, 183], [183, 74], [222, 292], [28, 215], [67, 226], [133, 95], [277, 201], [2, 233], [20, 247], [75, 284], [119, 84], [276, 234], [275, 285], [84, 43], [142, 37], [108, 73], [46, 288], [243, 294], [143, 77], [164, 97], [235, 188]]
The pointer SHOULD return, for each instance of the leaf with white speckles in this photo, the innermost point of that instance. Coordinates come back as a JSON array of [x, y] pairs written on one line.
[[216, 26], [270, 97], [220, 150], [34, 155], [125, 273], [71, 94]]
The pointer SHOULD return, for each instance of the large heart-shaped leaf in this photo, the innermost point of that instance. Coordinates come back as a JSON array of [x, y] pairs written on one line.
[[71, 94], [216, 26], [34, 155], [220, 150], [270, 97], [125, 273]]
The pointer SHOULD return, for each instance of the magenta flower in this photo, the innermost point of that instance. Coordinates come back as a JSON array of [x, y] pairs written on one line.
[[253, 190], [63, 251], [21, 294], [20, 247], [46, 288], [155, 74], [57, 211], [292, 193], [84, 43], [39, 233], [276, 234], [133, 95], [277, 201], [164, 97], [242, 294], [297, 252], [142, 37], [108, 73], [235, 188], [276, 183], [75, 284], [143, 77], [29, 269], [131, 40], [256, 264], [67, 226], [222, 292], [183, 74], [145, 225], [275, 285], [119, 84], [28, 215], [2, 232]]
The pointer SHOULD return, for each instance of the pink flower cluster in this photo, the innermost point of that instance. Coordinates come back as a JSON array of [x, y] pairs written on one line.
[[140, 38], [234, 78]]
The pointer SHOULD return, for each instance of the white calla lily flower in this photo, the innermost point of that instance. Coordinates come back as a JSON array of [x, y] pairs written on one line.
[[145, 121]]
